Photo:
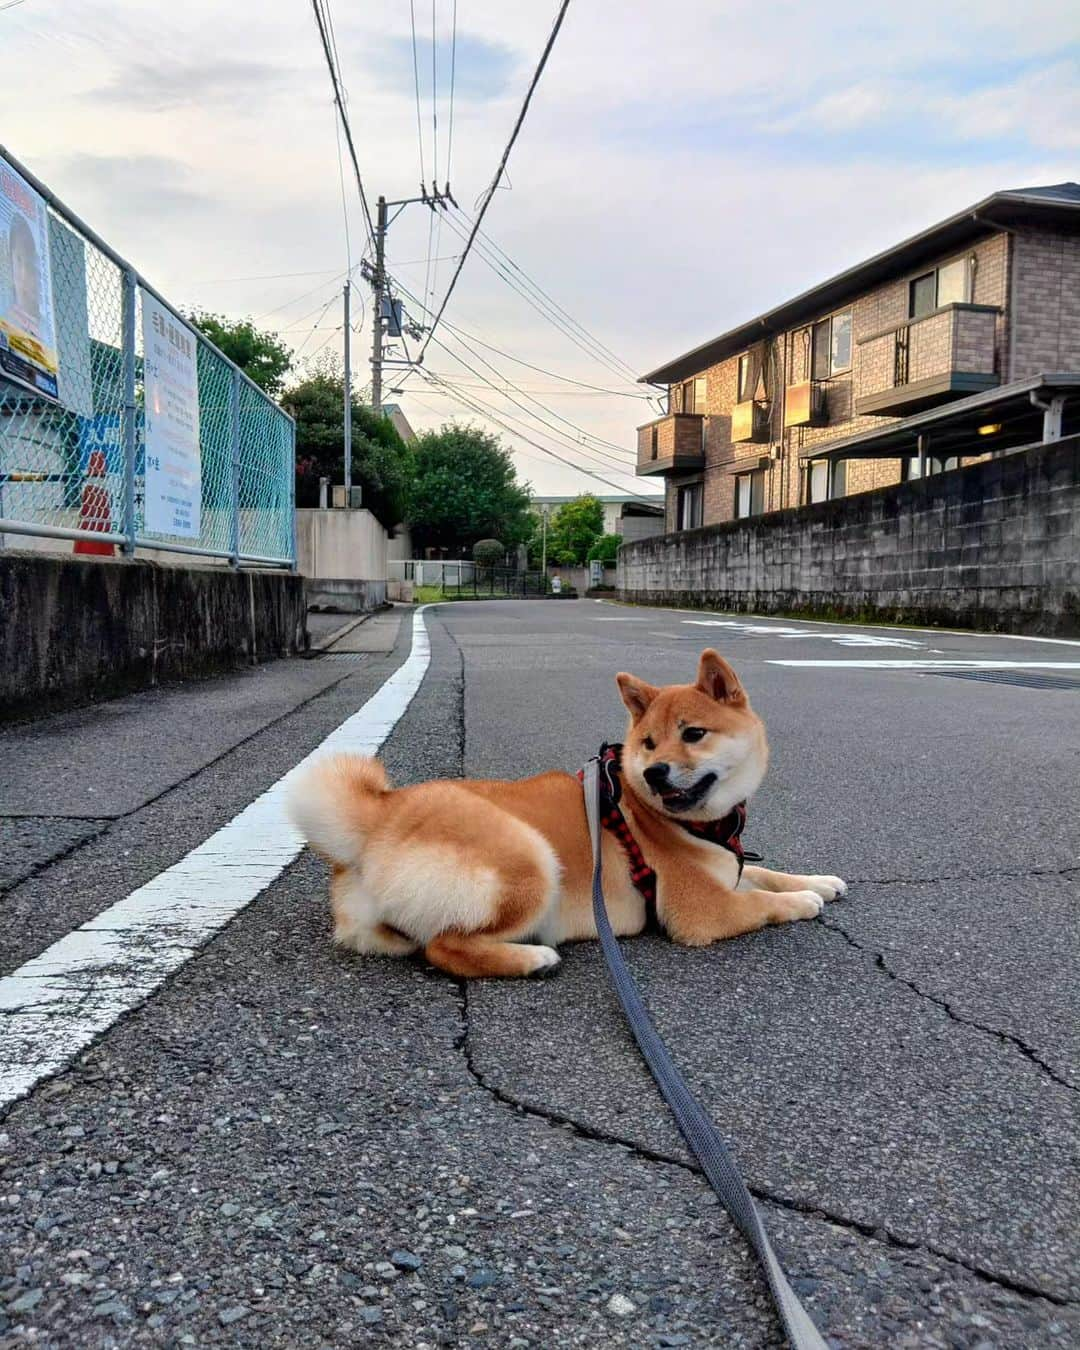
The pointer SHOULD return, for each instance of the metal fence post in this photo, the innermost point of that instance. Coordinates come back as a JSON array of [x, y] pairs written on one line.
[[234, 468], [290, 475], [129, 284]]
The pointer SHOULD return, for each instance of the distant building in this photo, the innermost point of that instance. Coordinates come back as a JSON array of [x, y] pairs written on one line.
[[958, 343], [624, 514], [399, 421]]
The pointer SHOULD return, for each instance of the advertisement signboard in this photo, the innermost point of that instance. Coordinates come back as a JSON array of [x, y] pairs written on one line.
[[173, 493], [28, 353]]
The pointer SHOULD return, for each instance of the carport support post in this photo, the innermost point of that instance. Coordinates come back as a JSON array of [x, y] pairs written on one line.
[[234, 469], [1051, 412], [923, 438], [129, 285]]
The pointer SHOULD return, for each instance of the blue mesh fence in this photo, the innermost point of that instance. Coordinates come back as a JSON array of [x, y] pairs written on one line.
[[74, 381]]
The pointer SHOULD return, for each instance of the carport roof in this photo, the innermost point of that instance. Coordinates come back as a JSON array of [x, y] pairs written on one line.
[[953, 428]]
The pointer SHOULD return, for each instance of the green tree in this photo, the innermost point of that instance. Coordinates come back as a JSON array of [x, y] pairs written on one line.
[[261, 356], [488, 552], [381, 461], [464, 489], [605, 548], [574, 528]]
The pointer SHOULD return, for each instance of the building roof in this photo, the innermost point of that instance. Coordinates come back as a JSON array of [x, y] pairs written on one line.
[[953, 428], [1056, 203]]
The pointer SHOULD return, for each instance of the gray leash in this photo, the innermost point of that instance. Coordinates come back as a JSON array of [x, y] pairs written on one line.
[[697, 1129]]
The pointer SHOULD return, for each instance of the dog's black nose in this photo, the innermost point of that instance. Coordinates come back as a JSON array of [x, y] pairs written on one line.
[[656, 775]]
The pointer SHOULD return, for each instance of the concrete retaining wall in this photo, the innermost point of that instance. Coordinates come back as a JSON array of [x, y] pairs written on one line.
[[74, 629], [340, 544], [995, 545]]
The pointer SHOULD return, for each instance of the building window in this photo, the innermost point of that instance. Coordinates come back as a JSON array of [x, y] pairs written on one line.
[[909, 469], [691, 395], [749, 494], [946, 285], [826, 481], [689, 506], [832, 346], [744, 378]]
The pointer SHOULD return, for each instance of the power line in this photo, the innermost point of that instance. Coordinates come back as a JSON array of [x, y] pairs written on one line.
[[581, 432], [268, 276], [416, 83], [452, 74], [582, 384], [535, 286], [564, 6], [302, 296], [591, 346], [324, 30], [477, 407], [434, 103]]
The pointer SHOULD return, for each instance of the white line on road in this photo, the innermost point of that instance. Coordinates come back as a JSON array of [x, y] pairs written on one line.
[[935, 665], [55, 1005]]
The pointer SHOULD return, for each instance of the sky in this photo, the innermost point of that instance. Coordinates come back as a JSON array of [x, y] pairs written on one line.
[[682, 168]]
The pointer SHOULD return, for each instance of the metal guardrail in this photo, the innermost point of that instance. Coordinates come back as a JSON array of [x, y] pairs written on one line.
[[74, 442]]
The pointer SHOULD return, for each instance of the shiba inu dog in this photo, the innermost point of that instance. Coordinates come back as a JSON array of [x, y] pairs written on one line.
[[487, 878]]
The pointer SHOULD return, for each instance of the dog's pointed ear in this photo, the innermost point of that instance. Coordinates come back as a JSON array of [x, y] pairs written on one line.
[[717, 679], [636, 694]]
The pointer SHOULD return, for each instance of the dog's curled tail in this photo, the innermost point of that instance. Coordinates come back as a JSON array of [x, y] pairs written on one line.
[[336, 802]]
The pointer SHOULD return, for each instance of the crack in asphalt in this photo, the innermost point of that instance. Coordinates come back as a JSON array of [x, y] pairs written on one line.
[[1006, 1037], [581, 1129], [993, 875], [109, 821]]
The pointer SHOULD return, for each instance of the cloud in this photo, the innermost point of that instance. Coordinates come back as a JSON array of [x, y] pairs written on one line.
[[136, 185], [165, 87], [483, 69]]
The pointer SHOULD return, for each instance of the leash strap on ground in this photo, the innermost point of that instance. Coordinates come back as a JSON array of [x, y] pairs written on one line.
[[698, 1130]]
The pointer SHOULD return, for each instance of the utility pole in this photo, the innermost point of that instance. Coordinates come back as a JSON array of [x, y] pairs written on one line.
[[543, 546], [378, 285], [348, 401], [375, 273]]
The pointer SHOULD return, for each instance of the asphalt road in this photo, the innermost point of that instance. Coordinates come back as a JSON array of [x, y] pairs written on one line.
[[286, 1146]]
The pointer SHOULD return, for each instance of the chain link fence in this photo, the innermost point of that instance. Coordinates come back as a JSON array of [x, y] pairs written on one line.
[[209, 472]]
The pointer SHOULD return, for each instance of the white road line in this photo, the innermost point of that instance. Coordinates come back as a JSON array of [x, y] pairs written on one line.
[[55, 1005], [894, 627], [935, 665]]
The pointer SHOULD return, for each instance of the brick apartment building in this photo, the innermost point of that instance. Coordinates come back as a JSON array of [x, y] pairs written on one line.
[[960, 342]]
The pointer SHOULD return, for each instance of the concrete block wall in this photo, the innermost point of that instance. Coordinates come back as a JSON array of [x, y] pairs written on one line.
[[995, 545], [77, 629]]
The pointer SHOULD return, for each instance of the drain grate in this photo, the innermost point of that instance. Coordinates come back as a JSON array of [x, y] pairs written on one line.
[[1023, 679], [350, 657]]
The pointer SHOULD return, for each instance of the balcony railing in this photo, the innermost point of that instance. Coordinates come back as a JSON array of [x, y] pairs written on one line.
[[672, 444], [926, 361]]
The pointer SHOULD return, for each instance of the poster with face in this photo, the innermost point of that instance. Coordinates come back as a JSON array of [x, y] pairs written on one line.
[[28, 353]]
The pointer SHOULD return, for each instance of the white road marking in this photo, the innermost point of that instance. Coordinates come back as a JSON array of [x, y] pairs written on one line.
[[948, 664], [902, 627], [774, 630], [55, 1005]]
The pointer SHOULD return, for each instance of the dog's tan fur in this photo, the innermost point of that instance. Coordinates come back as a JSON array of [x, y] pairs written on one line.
[[487, 878]]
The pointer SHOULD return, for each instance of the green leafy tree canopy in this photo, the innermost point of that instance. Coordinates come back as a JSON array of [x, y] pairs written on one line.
[[605, 548], [488, 552], [381, 461], [574, 528], [263, 357], [465, 489]]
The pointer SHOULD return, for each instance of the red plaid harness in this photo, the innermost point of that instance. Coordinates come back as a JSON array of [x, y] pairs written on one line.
[[725, 832]]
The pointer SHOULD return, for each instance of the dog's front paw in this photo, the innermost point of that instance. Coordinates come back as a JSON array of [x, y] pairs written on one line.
[[829, 888], [799, 905], [544, 960]]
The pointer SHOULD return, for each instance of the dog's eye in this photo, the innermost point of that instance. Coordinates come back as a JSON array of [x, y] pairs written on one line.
[[649, 743], [692, 734]]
